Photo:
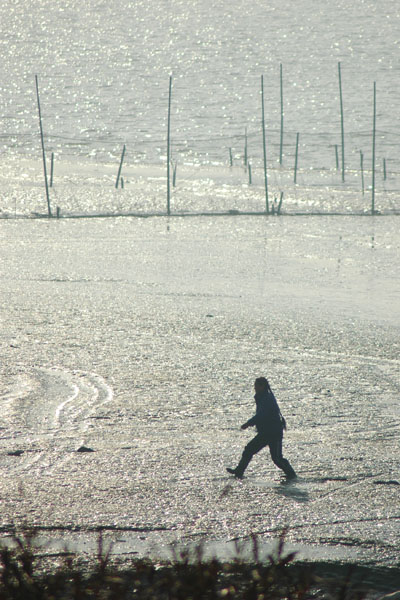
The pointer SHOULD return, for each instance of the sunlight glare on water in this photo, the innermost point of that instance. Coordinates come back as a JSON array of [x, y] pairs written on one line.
[[104, 69]]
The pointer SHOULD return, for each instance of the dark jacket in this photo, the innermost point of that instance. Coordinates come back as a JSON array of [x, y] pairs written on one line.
[[267, 419]]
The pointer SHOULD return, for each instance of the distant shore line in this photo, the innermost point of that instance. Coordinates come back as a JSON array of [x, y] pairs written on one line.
[[228, 213]]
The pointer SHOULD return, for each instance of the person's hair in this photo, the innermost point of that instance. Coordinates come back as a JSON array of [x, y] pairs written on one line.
[[262, 382]]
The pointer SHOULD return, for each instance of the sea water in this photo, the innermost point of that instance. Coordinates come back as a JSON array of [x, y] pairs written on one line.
[[140, 338], [103, 71]]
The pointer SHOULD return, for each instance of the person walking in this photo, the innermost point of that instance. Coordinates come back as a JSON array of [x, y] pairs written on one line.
[[270, 424]]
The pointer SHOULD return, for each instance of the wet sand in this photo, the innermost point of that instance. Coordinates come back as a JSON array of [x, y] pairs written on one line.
[[140, 339]]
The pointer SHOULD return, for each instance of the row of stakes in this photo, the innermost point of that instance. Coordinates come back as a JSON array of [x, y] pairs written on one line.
[[119, 183], [248, 168], [275, 207]]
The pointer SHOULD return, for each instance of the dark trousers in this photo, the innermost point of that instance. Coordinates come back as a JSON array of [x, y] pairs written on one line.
[[275, 447]]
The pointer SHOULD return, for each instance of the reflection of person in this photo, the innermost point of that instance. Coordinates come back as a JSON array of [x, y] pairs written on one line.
[[270, 425]]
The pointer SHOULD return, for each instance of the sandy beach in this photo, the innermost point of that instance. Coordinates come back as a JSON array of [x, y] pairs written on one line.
[[140, 339]]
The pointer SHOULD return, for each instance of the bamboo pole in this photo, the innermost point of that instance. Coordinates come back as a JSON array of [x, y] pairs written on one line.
[[373, 152], [120, 167], [362, 172], [230, 157], [281, 140], [169, 148], [280, 204], [264, 146], [245, 148], [51, 169], [249, 170], [296, 158], [341, 117], [43, 150], [337, 157], [174, 168], [384, 169]]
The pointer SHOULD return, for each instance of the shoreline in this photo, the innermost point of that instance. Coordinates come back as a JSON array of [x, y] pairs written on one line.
[[229, 213], [89, 190]]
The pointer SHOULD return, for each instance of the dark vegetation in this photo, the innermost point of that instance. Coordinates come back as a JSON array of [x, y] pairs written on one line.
[[25, 575]]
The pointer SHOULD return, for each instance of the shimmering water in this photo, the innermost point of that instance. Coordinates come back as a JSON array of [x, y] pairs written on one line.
[[103, 72]]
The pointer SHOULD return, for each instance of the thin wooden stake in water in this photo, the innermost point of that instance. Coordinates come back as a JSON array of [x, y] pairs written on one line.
[[43, 151], [341, 117], [296, 158], [52, 169], [249, 169], [337, 157], [280, 204], [373, 153], [384, 169], [230, 157], [362, 171], [169, 148], [264, 146], [120, 167], [281, 142], [245, 148]]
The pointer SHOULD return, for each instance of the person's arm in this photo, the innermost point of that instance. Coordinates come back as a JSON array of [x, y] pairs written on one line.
[[262, 414], [250, 423]]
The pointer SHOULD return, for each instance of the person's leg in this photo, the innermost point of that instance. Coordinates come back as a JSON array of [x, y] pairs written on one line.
[[275, 448], [255, 445]]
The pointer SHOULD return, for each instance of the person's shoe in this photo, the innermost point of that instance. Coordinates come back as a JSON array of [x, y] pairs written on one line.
[[234, 472]]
